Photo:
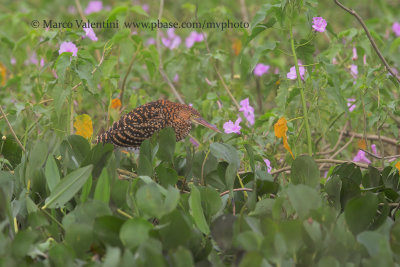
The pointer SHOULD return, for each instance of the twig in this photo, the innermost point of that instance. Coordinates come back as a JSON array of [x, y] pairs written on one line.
[[352, 12], [127, 173], [202, 168], [121, 94], [373, 137], [379, 157], [236, 190], [334, 161], [337, 142], [160, 67], [11, 129], [337, 152]]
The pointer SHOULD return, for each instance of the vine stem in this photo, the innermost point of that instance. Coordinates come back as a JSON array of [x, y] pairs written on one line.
[[378, 52], [303, 100]]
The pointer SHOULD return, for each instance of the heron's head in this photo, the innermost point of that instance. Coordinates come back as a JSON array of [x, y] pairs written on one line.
[[190, 114]]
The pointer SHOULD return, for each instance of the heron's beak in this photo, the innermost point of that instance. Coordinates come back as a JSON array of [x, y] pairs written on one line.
[[205, 123]]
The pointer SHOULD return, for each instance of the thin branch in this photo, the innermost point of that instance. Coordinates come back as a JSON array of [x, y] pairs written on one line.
[[11, 129], [160, 67], [121, 94], [373, 137], [337, 152], [352, 12], [236, 190], [127, 173], [338, 141], [379, 157]]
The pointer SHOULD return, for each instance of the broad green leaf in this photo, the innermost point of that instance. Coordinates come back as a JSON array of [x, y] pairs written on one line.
[[359, 212], [196, 210], [305, 171], [102, 191], [250, 153], [303, 199], [225, 152], [149, 200], [134, 232], [68, 187], [52, 173], [62, 63], [79, 236], [230, 176], [166, 176], [179, 229], [107, 228], [333, 187], [182, 257], [87, 187], [167, 140]]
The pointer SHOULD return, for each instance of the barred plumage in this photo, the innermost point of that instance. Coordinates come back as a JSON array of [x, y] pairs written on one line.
[[142, 122]]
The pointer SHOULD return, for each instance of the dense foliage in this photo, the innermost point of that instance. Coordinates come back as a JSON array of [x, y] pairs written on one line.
[[305, 172]]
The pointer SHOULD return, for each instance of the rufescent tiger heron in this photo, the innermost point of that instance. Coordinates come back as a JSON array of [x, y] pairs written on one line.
[[142, 122]]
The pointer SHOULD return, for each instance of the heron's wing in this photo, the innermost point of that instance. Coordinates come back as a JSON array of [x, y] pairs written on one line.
[[133, 134]]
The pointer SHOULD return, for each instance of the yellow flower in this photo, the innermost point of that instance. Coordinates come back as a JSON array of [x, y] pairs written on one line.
[[115, 103], [237, 46], [3, 72], [280, 129], [398, 165], [83, 126], [362, 144]]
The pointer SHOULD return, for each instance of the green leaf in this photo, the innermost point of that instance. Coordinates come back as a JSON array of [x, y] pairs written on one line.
[[103, 191], [178, 232], [360, 212], [107, 228], [196, 210], [134, 232], [333, 187], [182, 257], [230, 176], [222, 230], [305, 171], [166, 176], [145, 167], [250, 153], [303, 199], [149, 200], [225, 152], [79, 236], [167, 140], [84, 70], [52, 173], [62, 63], [68, 187]]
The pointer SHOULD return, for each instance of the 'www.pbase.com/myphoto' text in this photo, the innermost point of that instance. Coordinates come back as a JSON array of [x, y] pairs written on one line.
[[146, 25]]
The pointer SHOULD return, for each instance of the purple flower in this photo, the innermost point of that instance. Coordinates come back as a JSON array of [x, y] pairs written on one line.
[[93, 6], [194, 143], [32, 59], [150, 41], [13, 61], [354, 71], [355, 56], [68, 47], [334, 61], [42, 62], [268, 163], [396, 28], [193, 37], [319, 24], [146, 7], [248, 111], [261, 69], [374, 151], [292, 73], [172, 40], [72, 10], [350, 104], [276, 71], [360, 157], [90, 34], [176, 78], [365, 59], [230, 127]]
